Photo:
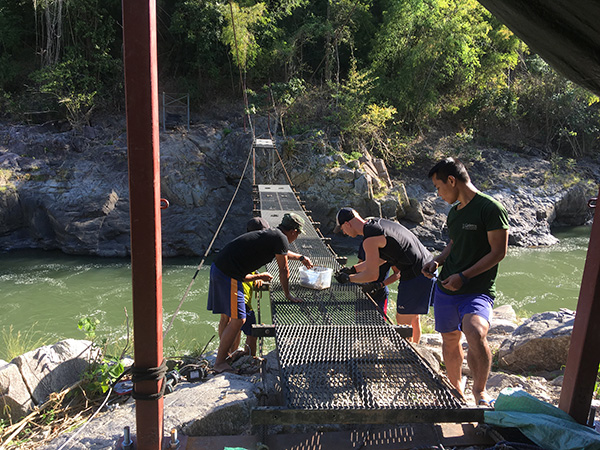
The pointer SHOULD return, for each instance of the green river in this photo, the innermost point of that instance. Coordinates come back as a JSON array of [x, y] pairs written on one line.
[[43, 295]]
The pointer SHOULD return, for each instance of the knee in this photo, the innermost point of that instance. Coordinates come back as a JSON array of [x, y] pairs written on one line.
[[451, 340], [475, 328]]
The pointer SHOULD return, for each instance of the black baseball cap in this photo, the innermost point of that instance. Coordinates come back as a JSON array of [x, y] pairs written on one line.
[[257, 224], [344, 215]]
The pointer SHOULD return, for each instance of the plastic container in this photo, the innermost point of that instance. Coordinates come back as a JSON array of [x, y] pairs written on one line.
[[316, 278]]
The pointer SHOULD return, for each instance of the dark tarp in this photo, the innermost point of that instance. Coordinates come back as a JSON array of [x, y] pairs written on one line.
[[565, 33]]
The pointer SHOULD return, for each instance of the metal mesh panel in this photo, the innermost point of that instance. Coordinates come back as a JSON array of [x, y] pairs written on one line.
[[336, 350], [355, 367]]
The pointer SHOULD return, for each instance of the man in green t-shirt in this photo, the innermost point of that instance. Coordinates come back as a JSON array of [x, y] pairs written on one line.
[[466, 287]]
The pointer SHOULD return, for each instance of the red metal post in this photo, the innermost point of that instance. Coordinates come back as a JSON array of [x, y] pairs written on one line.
[[141, 91], [584, 354]]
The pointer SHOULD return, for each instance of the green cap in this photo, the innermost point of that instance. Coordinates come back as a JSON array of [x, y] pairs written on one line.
[[292, 221]]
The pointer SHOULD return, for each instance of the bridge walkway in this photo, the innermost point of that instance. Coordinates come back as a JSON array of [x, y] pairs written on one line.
[[340, 360]]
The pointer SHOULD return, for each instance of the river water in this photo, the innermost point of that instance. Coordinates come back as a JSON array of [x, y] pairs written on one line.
[[43, 295]]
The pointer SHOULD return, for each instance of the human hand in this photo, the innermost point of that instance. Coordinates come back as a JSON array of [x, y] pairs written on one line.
[[348, 270], [265, 276], [307, 262], [293, 299], [453, 282], [342, 277], [371, 288], [429, 269]]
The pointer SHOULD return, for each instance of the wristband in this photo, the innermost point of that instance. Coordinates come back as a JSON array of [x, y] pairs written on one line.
[[302, 258], [464, 279]]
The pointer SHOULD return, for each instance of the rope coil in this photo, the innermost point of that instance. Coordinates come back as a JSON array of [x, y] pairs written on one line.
[[149, 374]]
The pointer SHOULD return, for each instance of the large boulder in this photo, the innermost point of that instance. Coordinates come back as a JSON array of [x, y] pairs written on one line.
[[52, 368], [15, 398], [541, 343]]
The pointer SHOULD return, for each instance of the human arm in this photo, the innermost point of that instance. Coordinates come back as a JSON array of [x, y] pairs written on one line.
[[284, 274], [368, 270], [429, 268], [377, 285], [299, 257], [498, 240], [395, 276], [263, 276]]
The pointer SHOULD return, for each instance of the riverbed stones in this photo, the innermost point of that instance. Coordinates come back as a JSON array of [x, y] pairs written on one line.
[[541, 343]]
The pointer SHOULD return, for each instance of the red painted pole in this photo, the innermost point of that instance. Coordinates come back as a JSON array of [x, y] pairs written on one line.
[[141, 91], [584, 357]]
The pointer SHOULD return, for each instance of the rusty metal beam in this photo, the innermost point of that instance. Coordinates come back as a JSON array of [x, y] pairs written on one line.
[[141, 93], [584, 357]]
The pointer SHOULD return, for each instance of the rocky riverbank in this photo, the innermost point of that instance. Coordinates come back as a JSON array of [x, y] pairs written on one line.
[[530, 355], [68, 190]]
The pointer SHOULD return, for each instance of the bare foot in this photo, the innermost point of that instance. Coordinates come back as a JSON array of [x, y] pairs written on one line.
[[236, 355], [223, 368]]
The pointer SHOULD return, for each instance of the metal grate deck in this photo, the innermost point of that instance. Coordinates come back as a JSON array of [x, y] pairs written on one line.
[[335, 350]]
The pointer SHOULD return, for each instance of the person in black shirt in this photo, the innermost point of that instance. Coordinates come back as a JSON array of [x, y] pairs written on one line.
[[386, 241], [236, 263]]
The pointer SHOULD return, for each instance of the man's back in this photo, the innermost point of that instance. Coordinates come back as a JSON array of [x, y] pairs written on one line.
[[403, 249], [250, 251]]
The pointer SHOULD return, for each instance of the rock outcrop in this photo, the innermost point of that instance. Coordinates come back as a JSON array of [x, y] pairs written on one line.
[[69, 191], [29, 379]]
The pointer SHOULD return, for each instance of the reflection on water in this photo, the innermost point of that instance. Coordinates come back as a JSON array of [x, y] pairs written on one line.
[[52, 291]]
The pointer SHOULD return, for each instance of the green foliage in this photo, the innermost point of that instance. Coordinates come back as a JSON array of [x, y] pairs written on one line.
[[429, 51], [105, 369], [195, 31], [541, 108], [88, 326], [15, 23], [238, 32], [101, 374]]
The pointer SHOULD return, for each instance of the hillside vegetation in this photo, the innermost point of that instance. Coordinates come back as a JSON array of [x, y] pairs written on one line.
[[375, 75]]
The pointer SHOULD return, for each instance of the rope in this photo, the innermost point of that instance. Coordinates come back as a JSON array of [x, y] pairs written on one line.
[[89, 420], [284, 170], [187, 291], [149, 374]]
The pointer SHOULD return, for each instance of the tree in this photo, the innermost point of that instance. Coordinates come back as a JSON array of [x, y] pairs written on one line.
[[428, 52]]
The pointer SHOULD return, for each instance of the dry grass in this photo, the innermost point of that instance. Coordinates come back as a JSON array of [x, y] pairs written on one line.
[[62, 412]]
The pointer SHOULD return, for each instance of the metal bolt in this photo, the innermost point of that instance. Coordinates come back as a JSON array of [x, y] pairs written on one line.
[[174, 441], [127, 442]]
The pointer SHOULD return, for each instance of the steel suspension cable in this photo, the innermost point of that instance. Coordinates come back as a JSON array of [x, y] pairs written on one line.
[[211, 244]]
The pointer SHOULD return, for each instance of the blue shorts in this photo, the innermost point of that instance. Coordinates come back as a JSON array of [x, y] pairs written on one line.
[[414, 296], [225, 295], [451, 309], [250, 320]]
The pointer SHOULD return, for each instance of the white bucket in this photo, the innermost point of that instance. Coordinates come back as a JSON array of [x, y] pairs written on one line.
[[316, 278]]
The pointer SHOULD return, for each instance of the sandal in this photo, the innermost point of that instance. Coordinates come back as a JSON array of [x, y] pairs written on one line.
[[487, 403]]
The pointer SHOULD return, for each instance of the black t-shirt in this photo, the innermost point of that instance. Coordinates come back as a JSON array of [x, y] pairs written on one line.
[[250, 251], [402, 248]]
